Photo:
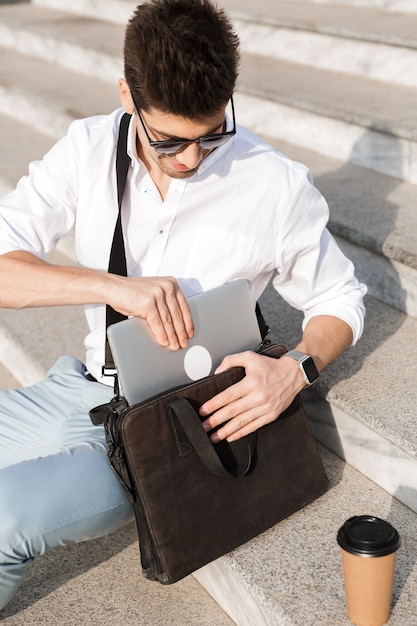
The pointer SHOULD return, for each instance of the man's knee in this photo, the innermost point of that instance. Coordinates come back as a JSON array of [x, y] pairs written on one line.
[[19, 523], [14, 545], [15, 553]]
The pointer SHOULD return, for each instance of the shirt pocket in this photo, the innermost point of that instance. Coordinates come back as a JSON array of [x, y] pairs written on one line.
[[217, 256]]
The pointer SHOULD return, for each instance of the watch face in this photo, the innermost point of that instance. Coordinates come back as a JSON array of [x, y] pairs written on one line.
[[310, 370]]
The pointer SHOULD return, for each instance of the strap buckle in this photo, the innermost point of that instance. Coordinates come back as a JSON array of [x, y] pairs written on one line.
[[111, 371], [108, 371]]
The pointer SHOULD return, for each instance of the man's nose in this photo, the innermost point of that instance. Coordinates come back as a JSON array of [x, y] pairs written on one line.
[[190, 156]]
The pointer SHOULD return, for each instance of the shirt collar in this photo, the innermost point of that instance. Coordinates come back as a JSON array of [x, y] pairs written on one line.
[[219, 152], [131, 142]]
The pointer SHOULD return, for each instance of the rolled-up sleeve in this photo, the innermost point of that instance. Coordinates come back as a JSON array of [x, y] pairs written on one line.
[[315, 276], [42, 207]]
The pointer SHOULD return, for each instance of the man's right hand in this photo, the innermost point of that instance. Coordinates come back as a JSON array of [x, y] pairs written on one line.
[[161, 302]]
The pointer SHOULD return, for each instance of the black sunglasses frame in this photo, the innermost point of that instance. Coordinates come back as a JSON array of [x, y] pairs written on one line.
[[172, 146]]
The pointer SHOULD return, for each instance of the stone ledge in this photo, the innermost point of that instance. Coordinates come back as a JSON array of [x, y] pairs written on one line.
[[100, 582], [382, 107], [362, 41], [7, 380], [292, 576], [386, 5], [27, 96], [94, 47], [361, 19], [86, 45]]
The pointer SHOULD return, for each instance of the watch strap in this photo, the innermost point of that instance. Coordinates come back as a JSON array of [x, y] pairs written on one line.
[[297, 355], [306, 359]]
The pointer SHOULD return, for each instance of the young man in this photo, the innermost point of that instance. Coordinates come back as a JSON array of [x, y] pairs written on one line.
[[206, 202]]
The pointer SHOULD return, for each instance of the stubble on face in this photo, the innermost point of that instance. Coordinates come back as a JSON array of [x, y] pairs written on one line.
[[163, 162]]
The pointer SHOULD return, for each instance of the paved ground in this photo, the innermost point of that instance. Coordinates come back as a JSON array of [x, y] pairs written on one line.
[[73, 585]]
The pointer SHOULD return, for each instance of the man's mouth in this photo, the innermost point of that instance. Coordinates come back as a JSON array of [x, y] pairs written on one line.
[[179, 167]]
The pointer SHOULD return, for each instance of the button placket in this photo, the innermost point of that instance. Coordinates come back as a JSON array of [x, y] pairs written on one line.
[[163, 227]]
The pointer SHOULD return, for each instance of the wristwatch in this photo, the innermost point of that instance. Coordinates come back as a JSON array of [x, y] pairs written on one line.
[[306, 364]]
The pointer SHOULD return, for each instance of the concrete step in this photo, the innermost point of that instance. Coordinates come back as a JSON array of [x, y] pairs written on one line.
[[46, 98], [32, 339], [361, 40], [346, 117], [370, 20], [359, 22], [292, 576], [289, 576], [387, 5], [21, 144], [286, 101], [100, 582], [115, 11], [88, 46], [288, 584], [357, 41], [7, 380]]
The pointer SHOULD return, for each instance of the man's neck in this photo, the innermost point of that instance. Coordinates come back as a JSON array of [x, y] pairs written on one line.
[[161, 180]]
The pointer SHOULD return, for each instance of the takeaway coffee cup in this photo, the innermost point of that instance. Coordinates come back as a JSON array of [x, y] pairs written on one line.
[[368, 547]]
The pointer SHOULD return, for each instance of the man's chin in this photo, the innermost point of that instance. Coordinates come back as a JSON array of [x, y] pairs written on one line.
[[173, 172]]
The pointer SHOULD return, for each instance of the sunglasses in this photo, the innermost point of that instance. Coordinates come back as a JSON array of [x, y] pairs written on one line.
[[172, 146]]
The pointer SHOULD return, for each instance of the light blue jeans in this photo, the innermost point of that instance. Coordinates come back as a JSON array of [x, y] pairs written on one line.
[[56, 484]]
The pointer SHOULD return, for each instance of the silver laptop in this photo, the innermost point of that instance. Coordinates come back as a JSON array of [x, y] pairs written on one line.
[[224, 323]]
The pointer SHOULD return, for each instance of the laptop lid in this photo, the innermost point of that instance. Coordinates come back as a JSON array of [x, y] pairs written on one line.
[[224, 323]]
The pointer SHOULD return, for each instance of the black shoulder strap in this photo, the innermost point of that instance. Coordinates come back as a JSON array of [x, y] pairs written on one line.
[[263, 326], [117, 261]]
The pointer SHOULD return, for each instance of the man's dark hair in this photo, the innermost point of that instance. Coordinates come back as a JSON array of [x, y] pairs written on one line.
[[181, 57]]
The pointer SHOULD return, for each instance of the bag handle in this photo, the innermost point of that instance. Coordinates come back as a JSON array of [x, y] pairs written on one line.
[[191, 424]]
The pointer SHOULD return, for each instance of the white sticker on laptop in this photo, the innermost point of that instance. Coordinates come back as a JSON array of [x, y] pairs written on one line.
[[197, 362]]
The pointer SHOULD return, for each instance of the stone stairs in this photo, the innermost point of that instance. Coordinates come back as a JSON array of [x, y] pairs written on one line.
[[333, 85]]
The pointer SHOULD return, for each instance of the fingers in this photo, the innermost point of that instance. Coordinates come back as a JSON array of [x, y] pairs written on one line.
[[267, 389], [241, 411], [231, 432], [170, 319], [158, 300]]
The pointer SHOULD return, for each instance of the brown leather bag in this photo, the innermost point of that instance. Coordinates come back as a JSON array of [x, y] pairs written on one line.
[[195, 501]]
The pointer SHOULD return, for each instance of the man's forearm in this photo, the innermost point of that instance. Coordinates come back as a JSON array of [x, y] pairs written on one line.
[[27, 281], [325, 338]]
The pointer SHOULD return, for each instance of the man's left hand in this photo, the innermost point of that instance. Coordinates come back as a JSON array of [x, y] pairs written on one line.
[[268, 388]]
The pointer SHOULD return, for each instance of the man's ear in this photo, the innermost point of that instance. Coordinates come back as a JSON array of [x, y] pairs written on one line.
[[125, 96]]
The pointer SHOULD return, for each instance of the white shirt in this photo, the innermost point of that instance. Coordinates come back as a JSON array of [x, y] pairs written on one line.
[[249, 212]]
